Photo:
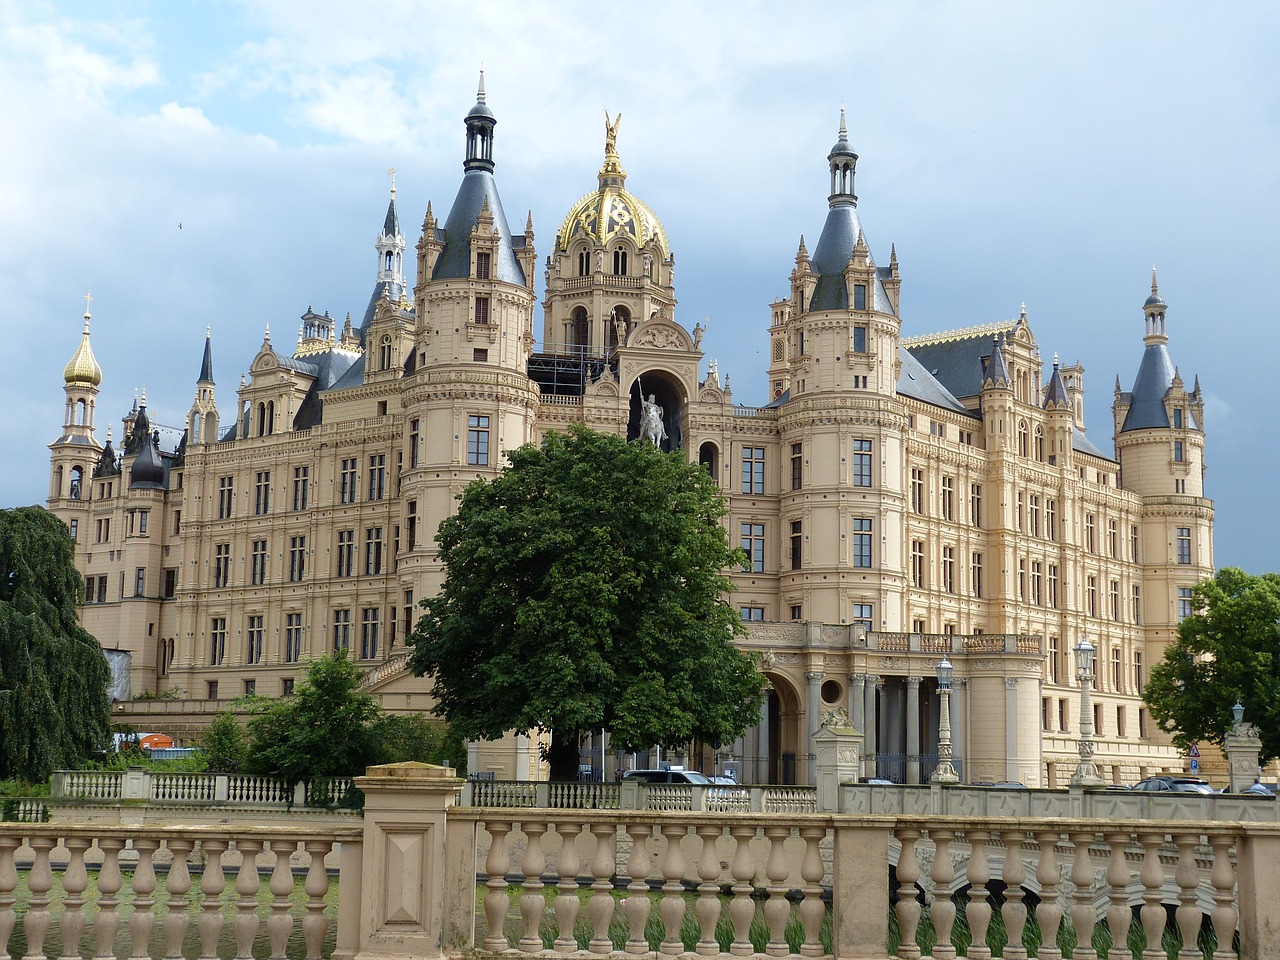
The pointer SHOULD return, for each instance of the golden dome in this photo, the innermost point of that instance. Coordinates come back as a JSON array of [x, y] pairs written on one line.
[[610, 211], [82, 368]]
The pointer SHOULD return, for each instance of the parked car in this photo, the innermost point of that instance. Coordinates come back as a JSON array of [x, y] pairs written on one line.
[[1169, 784], [667, 776], [1259, 790]]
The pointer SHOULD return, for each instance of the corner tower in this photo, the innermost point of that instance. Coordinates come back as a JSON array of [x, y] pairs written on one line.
[[202, 418], [76, 450]]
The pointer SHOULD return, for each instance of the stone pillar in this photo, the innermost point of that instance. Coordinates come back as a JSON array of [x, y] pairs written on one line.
[[869, 726], [473, 758], [406, 897], [1011, 765], [812, 719], [1242, 747], [913, 729], [836, 746], [959, 729], [857, 700], [522, 758], [762, 737]]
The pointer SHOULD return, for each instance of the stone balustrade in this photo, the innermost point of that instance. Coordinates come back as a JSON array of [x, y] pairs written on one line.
[[197, 789], [639, 795]]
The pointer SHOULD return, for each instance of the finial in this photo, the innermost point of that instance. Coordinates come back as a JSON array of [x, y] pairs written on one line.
[[108, 431], [528, 223], [893, 253], [1055, 358], [1154, 289], [430, 215], [208, 331], [391, 172], [88, 298], [844, 132], [266, 336], [144, 395], [1023, 315], [611, 134], [480, 90]]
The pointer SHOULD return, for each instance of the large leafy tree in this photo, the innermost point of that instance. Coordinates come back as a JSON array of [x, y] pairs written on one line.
[[54, 709], [585, 589], [1227, 650]]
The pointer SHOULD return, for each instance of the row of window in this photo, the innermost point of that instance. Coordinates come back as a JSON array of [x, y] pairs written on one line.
[[260, 553], [861, 614], [1063, 717], [95, 587], [753, 539]]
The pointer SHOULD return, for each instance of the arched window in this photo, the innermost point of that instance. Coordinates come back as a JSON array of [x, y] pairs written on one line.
[[580, 328], [81, 413], [57, 483], [619, 325], [584, 262], [1039, 444], [262, 419], [271, 416], [384, 354], [620, 262], [389, 261], [77, 482], [709, 458], [1022, 438]]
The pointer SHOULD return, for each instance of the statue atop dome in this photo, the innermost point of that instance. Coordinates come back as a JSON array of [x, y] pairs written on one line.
[[611, 134]]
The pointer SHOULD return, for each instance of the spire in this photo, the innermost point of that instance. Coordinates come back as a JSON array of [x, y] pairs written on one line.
[[1056, 396], [843, 163], [480, 123], [802, 253], [997, 372], [82, 369], [1153, 310], [206, 364]]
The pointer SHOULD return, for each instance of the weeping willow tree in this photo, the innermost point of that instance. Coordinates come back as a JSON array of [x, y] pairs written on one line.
[[54, 710]]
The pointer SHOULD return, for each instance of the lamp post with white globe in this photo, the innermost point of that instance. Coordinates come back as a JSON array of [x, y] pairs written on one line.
[[944, 772], [1086, 774]]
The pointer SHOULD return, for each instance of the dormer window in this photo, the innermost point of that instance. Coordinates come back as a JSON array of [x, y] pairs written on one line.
[[1177, 418], [482, 265], [859, 296]]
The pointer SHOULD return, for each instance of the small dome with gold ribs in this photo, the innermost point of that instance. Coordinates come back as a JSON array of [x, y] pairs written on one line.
[[82, 368], [610, 212]]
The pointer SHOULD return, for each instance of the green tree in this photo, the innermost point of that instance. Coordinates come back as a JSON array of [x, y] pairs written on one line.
[[585, 589], [54, 709], [223, 745], [326, 729], [1227, 650], [402, 737]]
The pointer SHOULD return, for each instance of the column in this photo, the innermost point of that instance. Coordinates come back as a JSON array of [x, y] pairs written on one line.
[[857, 682], [913, 729], [522, 758], [1012, 769], [762, 736], [812, 720], [959, 729], [869, 744]]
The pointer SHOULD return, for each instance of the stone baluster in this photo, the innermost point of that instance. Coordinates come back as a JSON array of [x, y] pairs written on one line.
[[943, 909], [908, 906], [212, 883], [142, 920], [1083, 917], [280, 922], [1049, 909], [176, 885], [812, 909], [567, 904], [1187, 877], [707, 908], [106, 923], [8, 884], [1152, 913], [532, 901], [638, 903], [1014, 911], [315, 924], [776, 909], [39, 883], [1223, 878], [672, 907], [75, 880], [245, 925], [978, 913], [1119, 916], [603, 861], [496, 900], [742, 908]]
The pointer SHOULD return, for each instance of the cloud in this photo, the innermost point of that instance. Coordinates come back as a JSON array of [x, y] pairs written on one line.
[[62, 60]]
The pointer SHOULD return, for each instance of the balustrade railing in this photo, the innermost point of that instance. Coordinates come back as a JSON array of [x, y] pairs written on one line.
[[638, 795]]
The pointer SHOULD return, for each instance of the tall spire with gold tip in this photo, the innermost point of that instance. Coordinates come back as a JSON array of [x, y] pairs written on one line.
[[82, 368]]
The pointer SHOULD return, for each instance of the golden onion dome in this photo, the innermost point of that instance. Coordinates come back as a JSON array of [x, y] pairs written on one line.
[[610, 211], [82, 368]]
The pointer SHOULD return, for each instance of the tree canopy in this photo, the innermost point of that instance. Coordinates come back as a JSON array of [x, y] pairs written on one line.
[[54, 709], [1227, 650], [585, 589]]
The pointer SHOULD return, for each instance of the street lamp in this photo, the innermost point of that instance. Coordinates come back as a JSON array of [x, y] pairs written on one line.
[[1237, 711], [1086, 774], [944, 772]]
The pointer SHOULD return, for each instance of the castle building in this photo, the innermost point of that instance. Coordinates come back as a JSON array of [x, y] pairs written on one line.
[[904, 497]]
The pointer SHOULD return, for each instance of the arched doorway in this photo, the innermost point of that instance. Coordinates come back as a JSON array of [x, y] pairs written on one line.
[[666, 394]]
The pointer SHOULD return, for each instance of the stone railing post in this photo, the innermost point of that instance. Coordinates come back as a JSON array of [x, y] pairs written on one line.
[[857, 880], [406, 897], [836, 748], [58, 784], [299, 795], [1243, 747], [221, 788], [1258, 885], [136, 784]]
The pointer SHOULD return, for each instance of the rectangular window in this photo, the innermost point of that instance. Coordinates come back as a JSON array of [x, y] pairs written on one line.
[[477, 440], [859, 339], [862, 463], [262, 493], [1114, 594], [1053, 585], [1064, 715], [796, 544], [253, 643], [297, 558], [1045, 714], [975, 575], [347, 481], [258, 563], [753, 469], [142, 522], [480, 354], [1033, 510], [286, 687], [1022, 578], [1037, 583], [1142, 722], [751, 613], [482, 309], [1184, 545], [369, 625], [1184, 603], [1113, 539], [74, 524], [917, 490], [300, 475], [1022, 511], [250, 687], [948, 498], [1055, 656], [482, 265], [753, 544], [217, 641], [797, 613], [917, 563], [1091, 596], [862, 542], [413, 443], [177, 522], [1137, 673], [408, 612], [1117, 671], [292, 637], [949, 569], [226, 496], [1051, 519], [341, 630], [411, 521], [797, 466], [140, 582], [975, 504], [1133, 543], [1177, 451], [862, 616], [1090, 534], [102, 589], [346, 553], [377, 476], [372, 551], [212, 689], [859, 296], [170, 583], [221, 565], [1177, 418]]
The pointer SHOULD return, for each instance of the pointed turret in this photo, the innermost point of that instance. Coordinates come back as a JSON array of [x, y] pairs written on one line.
[[202, 418], [480, 123], [997, 372], [1146, 404], [390, 245], [108, 460], [1055, 396], [206, 362]]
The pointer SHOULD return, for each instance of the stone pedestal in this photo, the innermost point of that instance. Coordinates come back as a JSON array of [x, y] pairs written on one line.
[[836, 748], [1242, 747]]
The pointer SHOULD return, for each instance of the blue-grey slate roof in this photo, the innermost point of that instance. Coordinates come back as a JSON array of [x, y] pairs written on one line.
[[455, 259], [839, 236], [1155, 376], [1082, 444], [918, 383], [959, 365], [206, 364], [394, 291], [391, 225]]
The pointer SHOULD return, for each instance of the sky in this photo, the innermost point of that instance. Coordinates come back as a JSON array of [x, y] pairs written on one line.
[[223, 165]]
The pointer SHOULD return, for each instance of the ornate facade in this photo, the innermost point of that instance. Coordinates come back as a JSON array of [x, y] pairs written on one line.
[[903, 497]]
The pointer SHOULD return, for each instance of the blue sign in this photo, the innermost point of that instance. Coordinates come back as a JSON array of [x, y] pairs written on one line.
[[1195, 765]]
